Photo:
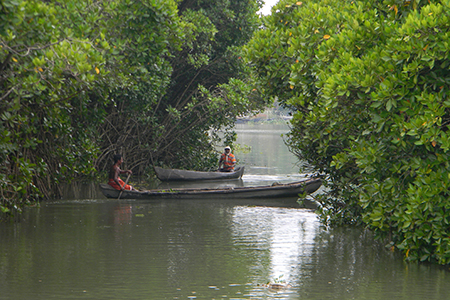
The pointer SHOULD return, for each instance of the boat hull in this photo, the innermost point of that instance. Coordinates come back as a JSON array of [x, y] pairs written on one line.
[[273, 191], [183, 175]]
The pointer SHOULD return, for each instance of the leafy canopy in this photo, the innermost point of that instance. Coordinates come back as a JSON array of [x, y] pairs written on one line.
[[369, 83], [83, 80]]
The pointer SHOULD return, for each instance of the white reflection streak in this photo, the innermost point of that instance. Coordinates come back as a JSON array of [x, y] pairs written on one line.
[[292, 242], [288, 235]]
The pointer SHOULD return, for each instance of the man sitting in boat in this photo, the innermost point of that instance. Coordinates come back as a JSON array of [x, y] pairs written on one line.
[[227, 161], [114, 179]]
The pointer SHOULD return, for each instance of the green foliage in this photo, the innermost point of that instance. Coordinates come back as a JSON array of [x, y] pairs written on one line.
[[369, 81], [82, 80], [43, 67], [186, 88]]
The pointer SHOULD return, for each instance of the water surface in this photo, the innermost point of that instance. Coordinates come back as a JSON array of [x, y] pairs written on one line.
[[109, 249], [87, 247]]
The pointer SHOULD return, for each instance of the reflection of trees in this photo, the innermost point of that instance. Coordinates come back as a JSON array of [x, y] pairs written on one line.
[[348, 264], [341, 256], [158, 247], [197, 244]]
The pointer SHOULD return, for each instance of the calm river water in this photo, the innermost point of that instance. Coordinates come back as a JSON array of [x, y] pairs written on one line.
[[88, 247]]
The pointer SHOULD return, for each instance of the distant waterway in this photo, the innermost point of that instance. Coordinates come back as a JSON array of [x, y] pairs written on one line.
[[88, 247]]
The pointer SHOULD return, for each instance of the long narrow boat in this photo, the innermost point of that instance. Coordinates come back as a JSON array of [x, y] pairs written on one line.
[[177, 174], [275, 190]]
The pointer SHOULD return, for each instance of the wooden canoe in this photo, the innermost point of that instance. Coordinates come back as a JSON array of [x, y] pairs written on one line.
[[177, 174], [276, 190]]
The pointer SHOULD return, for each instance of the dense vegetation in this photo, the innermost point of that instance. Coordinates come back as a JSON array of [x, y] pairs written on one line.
[[82, 80], [369, 81]]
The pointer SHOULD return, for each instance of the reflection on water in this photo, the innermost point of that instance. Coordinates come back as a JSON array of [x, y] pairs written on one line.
[[269, 155], [89, 247], [198, 249], [287, 234]]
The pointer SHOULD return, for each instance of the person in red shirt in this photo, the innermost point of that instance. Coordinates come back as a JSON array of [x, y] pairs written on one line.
[[227, 161], [115, 171]]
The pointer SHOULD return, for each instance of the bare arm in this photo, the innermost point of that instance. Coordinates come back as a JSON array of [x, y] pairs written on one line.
[[117, 171]]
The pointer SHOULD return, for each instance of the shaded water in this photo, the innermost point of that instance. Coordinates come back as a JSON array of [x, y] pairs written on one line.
[[88, 247]]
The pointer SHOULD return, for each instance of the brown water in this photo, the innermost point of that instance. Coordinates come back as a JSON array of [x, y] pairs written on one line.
[[89, 247]]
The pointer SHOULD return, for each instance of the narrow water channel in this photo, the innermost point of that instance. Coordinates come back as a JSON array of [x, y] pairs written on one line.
[[89, 247]]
